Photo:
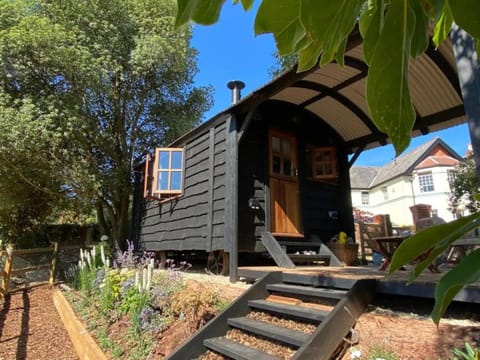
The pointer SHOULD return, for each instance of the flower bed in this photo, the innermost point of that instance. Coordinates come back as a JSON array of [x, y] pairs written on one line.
[[127, 308]]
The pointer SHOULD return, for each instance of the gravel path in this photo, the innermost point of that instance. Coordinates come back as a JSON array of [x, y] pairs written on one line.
[[30, 327]]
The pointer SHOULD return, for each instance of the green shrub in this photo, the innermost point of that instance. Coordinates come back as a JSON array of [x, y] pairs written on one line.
[[468, 354], [133, 302], [381, 352]]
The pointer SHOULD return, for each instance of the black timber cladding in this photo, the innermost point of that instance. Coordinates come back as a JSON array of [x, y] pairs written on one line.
[[196, 220], [317, 198], [252, 183]]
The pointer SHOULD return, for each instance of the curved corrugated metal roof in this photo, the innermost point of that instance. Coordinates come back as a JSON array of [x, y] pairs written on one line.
[[337, 95]]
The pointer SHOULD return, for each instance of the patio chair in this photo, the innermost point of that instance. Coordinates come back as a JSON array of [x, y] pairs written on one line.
[[367, 232], [423, 224]]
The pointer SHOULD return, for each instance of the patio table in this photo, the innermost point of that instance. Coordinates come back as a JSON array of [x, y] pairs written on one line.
[[387, 245]]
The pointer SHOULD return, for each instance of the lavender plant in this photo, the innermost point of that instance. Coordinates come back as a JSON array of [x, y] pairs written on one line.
[[126, 259]]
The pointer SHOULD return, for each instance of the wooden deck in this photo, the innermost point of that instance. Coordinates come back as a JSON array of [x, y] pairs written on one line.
[[344, 277]]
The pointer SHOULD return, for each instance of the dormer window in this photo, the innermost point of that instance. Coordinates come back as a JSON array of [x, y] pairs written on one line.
[[165, 180]]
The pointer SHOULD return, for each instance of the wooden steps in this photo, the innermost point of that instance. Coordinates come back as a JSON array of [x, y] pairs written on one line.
[[234, 350], [310, 259], [288, 253], [292, 311], [272, 332], [268, 310], [301, 290]]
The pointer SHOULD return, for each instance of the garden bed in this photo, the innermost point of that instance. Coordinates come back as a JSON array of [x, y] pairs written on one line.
[[386, 333], [37, 332], [133, 321], [136, 312]]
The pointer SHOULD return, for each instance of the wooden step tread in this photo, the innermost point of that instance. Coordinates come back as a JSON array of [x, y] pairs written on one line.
[[313, 257], [308, 244], [307, 291], [310, 258], [277, 333], [234, 350], [297, 311]]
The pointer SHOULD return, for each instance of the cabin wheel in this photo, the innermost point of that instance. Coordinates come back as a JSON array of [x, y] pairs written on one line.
[[217, 262]]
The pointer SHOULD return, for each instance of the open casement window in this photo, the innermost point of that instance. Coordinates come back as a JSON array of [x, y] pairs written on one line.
[[324, 163], [164, 178]]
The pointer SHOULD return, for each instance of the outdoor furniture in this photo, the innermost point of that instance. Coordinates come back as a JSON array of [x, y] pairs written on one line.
[[365, 233], [386, 245], [461, 248]]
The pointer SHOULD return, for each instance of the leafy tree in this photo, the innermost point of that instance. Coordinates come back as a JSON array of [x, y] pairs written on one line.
[[91, 86], [465, 186], [282, 63], [393, 31], [26, 152]]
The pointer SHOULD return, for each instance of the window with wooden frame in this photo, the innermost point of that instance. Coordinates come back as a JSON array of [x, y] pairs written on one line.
[[324, 163], [165, 178]]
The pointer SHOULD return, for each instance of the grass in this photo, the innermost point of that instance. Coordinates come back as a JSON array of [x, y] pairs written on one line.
[[381, 352]]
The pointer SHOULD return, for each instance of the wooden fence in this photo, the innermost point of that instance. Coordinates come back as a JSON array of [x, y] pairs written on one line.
[[9, 256]]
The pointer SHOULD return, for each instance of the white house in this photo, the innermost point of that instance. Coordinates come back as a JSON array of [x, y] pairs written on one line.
[[420, 176]]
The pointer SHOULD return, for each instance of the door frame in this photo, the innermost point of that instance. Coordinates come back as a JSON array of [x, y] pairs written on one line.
[[286, 181]]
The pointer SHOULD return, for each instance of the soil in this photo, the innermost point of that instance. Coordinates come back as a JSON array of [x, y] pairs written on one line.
[[413, 338], [30, 328], [402, 331]]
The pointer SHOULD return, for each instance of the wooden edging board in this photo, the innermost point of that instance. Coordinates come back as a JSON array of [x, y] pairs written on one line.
[[85, 346]]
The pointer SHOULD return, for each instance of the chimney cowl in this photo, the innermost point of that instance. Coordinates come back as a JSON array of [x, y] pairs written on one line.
[[236, 86]]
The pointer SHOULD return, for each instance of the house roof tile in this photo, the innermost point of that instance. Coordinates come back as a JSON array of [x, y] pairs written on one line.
[[419, 157], [361, 177]]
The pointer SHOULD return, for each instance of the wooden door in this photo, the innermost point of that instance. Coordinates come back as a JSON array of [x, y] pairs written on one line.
[[284, 194]]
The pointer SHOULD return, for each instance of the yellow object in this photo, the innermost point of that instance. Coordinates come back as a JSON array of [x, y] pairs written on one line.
[[342, 238]]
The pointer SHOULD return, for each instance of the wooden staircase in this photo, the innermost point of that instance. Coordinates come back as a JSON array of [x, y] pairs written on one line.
[[285, 253], [332, 312]]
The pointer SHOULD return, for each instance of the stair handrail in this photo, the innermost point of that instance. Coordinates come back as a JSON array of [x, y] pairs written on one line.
[[330, 334], [193, 347]]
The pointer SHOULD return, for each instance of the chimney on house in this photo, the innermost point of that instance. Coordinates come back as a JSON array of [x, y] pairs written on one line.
[[236, 86]]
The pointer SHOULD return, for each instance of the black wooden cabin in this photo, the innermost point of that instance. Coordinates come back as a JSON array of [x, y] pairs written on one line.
[[274, 167]]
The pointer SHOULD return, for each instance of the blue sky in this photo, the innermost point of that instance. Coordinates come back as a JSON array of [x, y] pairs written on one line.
[[229, 50]]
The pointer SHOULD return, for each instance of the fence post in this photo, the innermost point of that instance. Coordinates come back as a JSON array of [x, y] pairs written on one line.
[[53, 265], [7, 270], [361, 231]]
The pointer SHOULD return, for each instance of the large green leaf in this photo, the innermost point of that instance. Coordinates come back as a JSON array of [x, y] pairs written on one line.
[[201, 11], [341, 51], [247, 4], [466, 14], [435, 239], [285, 26], [433, 8], [329, 22], [308, 57], [420, 36], [388, 94], [466, 272], [441, 246], [371, 25], [443, 25]]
